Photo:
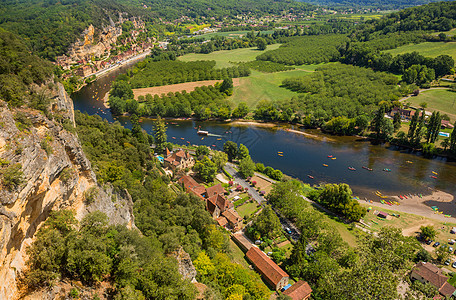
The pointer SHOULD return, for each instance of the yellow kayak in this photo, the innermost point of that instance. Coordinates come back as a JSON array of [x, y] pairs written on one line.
[[435, 173], [325, 165], [334, 158]]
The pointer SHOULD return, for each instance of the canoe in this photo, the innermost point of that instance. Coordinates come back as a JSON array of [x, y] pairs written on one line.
[[400, 197], [325, 165], [334, 158], [409, 162], [280, 154], [182, 139], [219, 139], [433, 177], [214, 146], [174, 138], [369, 169], [330, 156], [387, 170], [351, 169], [310, 176], [383, 202], [435, 173]]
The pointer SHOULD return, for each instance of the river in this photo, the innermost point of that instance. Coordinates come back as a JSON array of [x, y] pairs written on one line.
[[302, 155]]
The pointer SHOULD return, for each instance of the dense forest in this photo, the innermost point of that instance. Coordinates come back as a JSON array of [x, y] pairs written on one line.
[[306, 50], [18, 70], [365, 4], [341, 90], [155, 73]]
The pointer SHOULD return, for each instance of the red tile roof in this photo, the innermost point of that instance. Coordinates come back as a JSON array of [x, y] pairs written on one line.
[[232, 216], [222, 221], [191, 185], [300, 290], [215, 190], [270, 271], [435, 277]]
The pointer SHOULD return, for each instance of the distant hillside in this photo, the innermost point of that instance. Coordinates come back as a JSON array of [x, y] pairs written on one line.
[[379, 4], [50, 26]]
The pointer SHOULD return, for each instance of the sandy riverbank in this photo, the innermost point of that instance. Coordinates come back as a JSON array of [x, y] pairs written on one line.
[[422, 206]]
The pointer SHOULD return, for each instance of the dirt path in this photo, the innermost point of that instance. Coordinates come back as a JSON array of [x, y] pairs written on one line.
[[424, 90]]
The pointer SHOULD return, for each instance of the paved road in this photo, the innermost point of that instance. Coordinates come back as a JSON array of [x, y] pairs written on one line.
[[237, 177]]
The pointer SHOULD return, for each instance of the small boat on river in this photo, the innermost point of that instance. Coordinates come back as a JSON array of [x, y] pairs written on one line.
[[409, 162], [310, 176], [351, 169], [330, 156], [334, 158], [435, 173], [387, 170], [325, 165], [280, 154], [435, 177], [366, 168]]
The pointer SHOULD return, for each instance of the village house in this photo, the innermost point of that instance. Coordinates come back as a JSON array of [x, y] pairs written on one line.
[[178, 160], [301, 290], [220, 208], [269, 270], [84, 71], [429, 273], [446, 124]]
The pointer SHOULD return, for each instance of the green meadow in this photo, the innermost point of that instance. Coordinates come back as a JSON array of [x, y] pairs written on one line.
[[429, 49]]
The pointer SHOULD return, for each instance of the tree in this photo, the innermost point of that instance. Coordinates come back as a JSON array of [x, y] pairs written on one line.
[[205, 169], [379, 121], [202, 150], [442, 253], [121, 89], [219, 158], [227, 86], [241, 110], [160, 134], [261, 43], [265, 225], [423, 255], [433, 127], [242, 152], [246, 167], [453, 140], [230, 148], [445, 144], [428, 232], [420, 129], [413, 125], [397, 121]]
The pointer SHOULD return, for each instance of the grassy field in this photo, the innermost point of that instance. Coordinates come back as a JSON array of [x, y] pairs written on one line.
[[224, 57], [430, 49], [439, 100], [247, 209], [263, 86]]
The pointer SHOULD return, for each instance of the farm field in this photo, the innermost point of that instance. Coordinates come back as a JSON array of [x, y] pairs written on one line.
[[429, 49], [439, 100], [224, 57], [230, 34], [173, 88]]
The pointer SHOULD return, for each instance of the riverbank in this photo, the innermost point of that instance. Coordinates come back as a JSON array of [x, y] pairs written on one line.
[[422, 205]]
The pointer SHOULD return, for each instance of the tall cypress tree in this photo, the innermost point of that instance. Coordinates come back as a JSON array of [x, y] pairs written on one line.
[[430, 127], [419, 129], [160, 134], [436, 128], [412, 128]]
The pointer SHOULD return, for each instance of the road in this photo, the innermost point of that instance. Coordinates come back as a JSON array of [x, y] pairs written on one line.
[[237, 177]]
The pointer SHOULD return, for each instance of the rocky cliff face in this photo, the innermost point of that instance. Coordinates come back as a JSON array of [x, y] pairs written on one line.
[[43, 168]]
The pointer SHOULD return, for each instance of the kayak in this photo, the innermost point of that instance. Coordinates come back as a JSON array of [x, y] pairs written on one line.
[[351, 169], [334, 158], [435, 173], [387, 170], [369, 169], [400, 197], [310, 176], [330, 156], [325, 165], [433, 177]]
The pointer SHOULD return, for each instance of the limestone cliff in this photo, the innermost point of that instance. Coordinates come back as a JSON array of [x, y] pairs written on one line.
[[56, 174]]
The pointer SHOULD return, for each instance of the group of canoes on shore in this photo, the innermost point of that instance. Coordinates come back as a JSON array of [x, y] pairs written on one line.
[[436, 211]]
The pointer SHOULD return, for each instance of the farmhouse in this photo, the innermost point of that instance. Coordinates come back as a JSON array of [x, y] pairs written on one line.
[[269, 270], [429, 273], [191, 186], [301, 290]]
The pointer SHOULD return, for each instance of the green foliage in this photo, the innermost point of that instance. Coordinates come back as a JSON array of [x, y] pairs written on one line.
[[428, 232], [267, 66], [427, 289], [157, 73], [12, 176], [160, 135], [91, 194], [265, 225], [341, 90], [418, 75], [242, 152], [227, 86], [202, 150], [206, 169], [306, 50], [18, 70], [246, 167], [338, 198], [23, 122], [230, 148], [240, 111], [220, 159], [423, 255]]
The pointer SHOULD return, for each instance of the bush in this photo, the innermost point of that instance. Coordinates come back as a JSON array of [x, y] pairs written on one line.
[[12, 176], [91, 194]]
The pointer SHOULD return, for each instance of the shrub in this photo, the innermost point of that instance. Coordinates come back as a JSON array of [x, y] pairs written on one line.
[[12, 176]]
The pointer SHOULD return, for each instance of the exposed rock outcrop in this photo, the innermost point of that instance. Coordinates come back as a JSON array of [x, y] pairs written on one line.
[[56, 175], [186, 267]]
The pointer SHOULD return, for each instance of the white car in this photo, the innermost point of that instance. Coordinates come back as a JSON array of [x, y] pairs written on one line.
[[450, 249]]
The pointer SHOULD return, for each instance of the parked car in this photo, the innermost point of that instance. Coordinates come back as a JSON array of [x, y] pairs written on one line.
[[436, 244], [287, 230], [447, 262], [451, 241], [429, 242], [450, 249], [454, 265]]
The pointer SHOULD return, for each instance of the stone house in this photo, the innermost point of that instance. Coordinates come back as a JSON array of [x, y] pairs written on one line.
[[179, 160], [301, 290]]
